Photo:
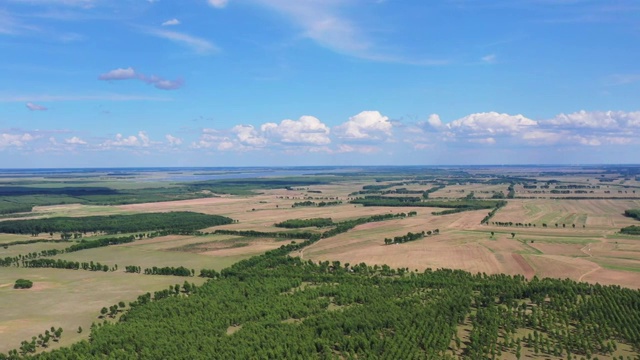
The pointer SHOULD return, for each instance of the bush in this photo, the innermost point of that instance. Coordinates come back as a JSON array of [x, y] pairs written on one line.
[[23, 284]]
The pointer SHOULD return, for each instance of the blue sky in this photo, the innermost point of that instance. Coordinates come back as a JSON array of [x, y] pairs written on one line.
[[93, 83]]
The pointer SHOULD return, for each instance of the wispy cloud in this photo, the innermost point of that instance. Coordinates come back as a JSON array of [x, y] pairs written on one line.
[[218, 3], [327, 24], [71, 3], [35, 107], [489, 59], [623, 79], [197, 44], [171, 22], [79, 97], [129, 73]]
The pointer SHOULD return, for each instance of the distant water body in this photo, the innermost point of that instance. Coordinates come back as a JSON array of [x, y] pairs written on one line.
[[174, 174]]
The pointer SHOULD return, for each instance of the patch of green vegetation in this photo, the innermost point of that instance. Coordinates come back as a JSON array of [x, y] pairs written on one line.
[[631, 230], [113, 224], [383, 312], [23, 284], [303, 223]]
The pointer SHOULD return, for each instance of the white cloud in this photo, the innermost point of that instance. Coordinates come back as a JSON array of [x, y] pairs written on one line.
[[492, 123], [611, 120], [307, 130], [208, 139], [15, 140], [171, 22], [75, 141], [218, 3], [142, 140], [119, 74], [199, 45], [247, 135], [225, 145], [366, 125], [35, 107], [172, 140]]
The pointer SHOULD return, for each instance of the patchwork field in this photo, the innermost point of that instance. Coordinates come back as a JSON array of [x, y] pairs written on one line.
[[540, 236]]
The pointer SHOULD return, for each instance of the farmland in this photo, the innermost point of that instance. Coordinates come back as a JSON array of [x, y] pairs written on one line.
[[553, 230]]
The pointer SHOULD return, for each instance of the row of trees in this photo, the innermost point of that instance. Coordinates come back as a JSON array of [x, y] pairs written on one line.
[[68, 264], [315, 204], [410, 237]]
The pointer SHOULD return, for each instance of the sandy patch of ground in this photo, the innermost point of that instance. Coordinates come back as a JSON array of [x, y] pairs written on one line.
[[178, 205], [556, 266], [612, 277], [252, 248], [526, 269]]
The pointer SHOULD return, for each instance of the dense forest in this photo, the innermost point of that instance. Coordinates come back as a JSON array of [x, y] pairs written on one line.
[[7, 207], [274, 306], [113, 224]]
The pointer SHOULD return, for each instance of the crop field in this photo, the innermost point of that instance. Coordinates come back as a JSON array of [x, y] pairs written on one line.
[[532, 235]]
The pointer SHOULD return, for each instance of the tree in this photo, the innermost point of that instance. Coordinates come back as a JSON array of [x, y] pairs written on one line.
[[513, 235], [492, 233], [79, 329], [23, 284], [104, 311]]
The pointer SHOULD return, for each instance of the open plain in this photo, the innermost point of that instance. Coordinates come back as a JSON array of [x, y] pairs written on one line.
[[536, 233]]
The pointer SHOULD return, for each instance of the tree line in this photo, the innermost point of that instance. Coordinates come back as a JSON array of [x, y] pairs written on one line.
[[315, 204], [303, 223]]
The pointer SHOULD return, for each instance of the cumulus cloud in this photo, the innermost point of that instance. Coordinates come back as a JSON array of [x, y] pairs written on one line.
[[366, 125], [172, 140], [611, 120], [142, 140], [307, 130], [75, 141], [35, 107], [247, 135], [210, 138], [171, 22], [15, 140], [218, 3], [491, 123], [129, 73]]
